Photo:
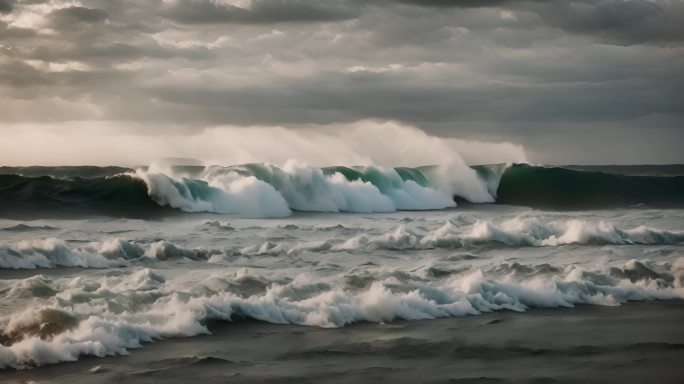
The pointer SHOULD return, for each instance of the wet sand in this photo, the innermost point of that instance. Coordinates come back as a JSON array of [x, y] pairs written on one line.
[[633, 343]]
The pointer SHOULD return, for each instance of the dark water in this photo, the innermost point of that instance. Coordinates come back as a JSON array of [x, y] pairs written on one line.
[[561, 188]]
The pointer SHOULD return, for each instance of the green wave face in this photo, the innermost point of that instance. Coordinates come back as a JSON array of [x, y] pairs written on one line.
[[559, 188], [122, 195], [378, 177]]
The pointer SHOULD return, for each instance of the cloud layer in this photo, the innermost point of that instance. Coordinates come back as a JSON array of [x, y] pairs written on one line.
[[573, 81]]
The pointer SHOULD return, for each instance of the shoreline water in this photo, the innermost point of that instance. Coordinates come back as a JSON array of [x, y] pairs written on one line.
[[632, 343]]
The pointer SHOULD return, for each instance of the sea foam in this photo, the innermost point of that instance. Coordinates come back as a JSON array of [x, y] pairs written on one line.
[[109, 315], [457, 232], [261, 190]]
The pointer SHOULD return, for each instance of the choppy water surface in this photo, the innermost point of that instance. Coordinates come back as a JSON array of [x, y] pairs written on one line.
[[101, 286]]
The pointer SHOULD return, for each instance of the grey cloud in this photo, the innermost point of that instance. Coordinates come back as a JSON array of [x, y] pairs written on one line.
[[352, 96], [260, 11], [545, 70], [20, 75], [458, 3], [70, 15], [621, 22], [6, 6], [15, 33], [119, 52], [26, 82]]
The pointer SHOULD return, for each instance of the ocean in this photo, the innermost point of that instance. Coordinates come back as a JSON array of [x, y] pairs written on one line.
[[260, 273]]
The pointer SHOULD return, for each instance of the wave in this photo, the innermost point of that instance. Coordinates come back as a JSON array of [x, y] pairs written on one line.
[[53, 253], [106, 315], [252, 190], [263, 190], [120, 195], [519, 231], [113, 252], [514, 232], [559, 188], [28, 228], [64, 172]]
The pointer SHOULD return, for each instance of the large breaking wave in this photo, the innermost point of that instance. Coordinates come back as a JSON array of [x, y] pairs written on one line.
[[250, 190], [264, 190]]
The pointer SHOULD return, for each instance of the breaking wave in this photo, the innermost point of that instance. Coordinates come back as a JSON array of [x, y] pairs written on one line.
[[260, 190], [515, 232], [252, 190], [264, 190], [52, 253], [107, 315], [113, 252], [459, 232]]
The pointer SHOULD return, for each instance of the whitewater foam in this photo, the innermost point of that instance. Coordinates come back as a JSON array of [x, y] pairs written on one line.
[[263, 190], [522, 231], [515, 232], [243, 195], [51, 253], [109, 315], [457, 232]]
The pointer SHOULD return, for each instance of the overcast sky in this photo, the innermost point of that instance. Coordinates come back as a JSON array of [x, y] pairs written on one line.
[[582, 81]]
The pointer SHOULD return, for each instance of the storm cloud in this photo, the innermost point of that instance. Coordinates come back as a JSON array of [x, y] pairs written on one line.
[[258, 11], [571, 81]]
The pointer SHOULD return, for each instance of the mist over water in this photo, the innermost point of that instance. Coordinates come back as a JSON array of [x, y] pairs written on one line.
[[363, 143]]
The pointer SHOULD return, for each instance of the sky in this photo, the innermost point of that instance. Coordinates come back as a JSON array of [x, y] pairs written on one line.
[[571, 82]]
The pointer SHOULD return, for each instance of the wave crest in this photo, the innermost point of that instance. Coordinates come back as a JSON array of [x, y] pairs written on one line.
[[262, 190]]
